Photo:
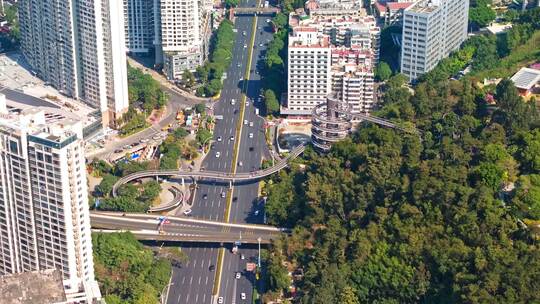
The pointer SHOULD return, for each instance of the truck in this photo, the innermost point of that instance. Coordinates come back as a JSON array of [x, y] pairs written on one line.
[[266, 3], [256, 111]]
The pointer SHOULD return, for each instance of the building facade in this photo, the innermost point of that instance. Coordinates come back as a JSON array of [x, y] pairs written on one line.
[[432, 29], [78, 47], [44, 217], [139, 16], [179, 36], [330, 55]]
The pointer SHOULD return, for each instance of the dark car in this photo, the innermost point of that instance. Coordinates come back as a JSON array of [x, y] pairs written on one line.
[[205, 196], [251, 149], [212, 268], [234, 199]]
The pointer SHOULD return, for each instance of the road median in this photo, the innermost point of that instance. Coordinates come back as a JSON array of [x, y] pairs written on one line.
[[221, 254]]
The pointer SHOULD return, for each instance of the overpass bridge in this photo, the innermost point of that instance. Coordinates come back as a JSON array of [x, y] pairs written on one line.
[[254, 11], [179, 229], [213, 175]]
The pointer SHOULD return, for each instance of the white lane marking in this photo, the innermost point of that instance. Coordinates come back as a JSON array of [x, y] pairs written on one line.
[[178, 301], [184, 278], [191, 280], [204, 298], [219, 203], [187, 298], [200, 280], [196, 298], [202, 266], [206, 280], [234, 292]]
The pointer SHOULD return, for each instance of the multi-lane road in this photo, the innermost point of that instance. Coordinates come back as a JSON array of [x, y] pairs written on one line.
[[193, 282], [150, 227]]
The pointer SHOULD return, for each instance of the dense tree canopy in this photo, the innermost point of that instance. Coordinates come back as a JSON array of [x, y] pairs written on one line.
[[220, 58], [447, 217], [128, 272], [481, 13]]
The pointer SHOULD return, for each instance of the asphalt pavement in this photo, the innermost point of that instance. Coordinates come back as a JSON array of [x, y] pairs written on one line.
[[193, 283]]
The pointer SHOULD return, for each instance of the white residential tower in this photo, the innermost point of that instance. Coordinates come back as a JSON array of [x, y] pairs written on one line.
[[44, 217], [78, 46]]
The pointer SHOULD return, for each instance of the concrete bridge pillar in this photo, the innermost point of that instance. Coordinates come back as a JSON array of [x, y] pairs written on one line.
[[230, 184]]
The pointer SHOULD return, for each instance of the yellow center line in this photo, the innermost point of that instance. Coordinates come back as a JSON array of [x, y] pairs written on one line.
[[221, 253]]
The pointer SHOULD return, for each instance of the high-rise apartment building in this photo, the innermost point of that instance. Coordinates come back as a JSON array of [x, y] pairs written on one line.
[[308, 69], [180, 37], [330, 55], [44, 217], [139, 16], [78, 46], [353, 79], [432, 29]]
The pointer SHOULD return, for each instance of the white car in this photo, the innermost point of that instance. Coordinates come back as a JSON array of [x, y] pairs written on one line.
[[231, 138], [268, 20], [233, 102], [245, 45], [242, 257], [187, 212], [238, 275], [243, 296], [250, 135], [251, 123], [220, 300], [223, 194], [218, 154], [245, 122], [219, 138]]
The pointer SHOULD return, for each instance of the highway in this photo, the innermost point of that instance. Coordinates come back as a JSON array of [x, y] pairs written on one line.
[[193, 283]]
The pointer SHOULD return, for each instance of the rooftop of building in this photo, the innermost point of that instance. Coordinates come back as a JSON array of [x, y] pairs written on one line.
[[526, 78], [39, 119], [424, 7], [33, 287], [16, 75], [383, 6]]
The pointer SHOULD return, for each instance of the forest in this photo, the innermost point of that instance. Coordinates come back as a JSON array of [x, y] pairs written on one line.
[[127, 271], [448, 216]]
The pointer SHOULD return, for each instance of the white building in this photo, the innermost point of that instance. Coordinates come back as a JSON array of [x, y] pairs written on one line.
[[432, 29], [79, 48], [44, 217], [179, 36], [353, 79], [330, 55], [308, 69]]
